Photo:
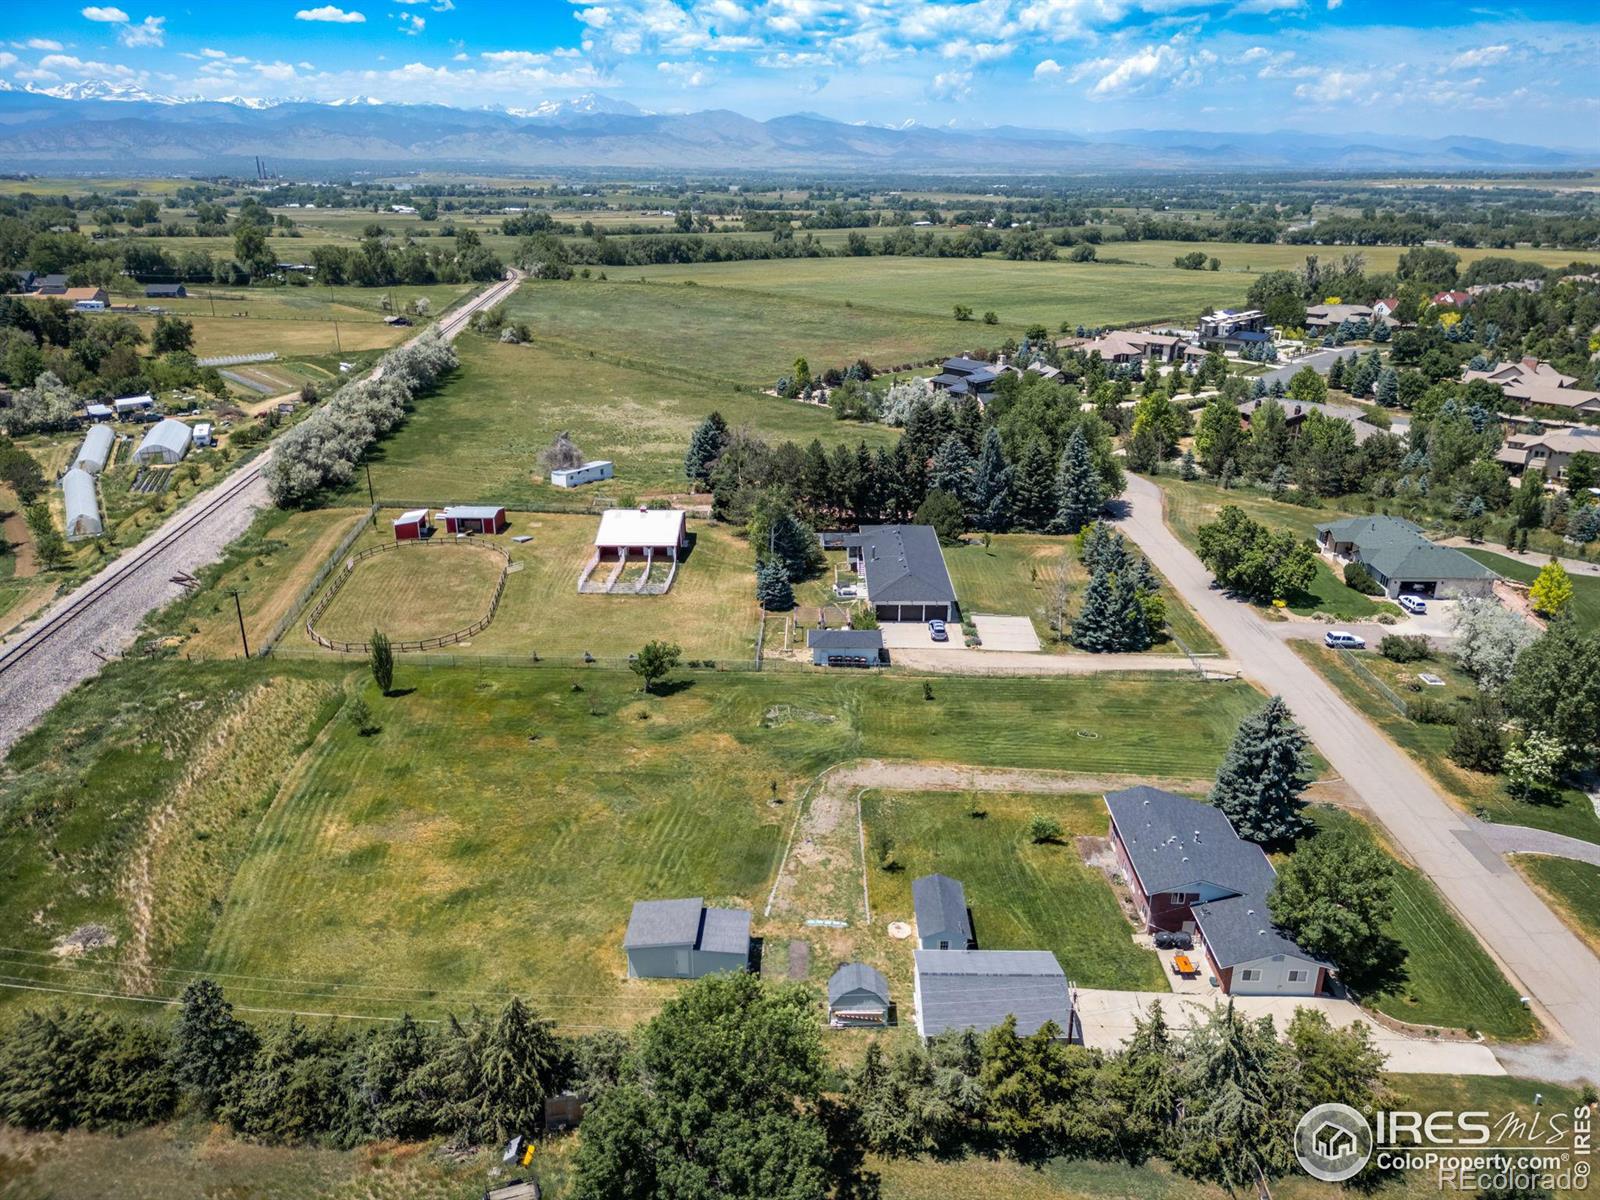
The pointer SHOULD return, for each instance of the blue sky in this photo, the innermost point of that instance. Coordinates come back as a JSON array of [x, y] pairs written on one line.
[[1412, 66]]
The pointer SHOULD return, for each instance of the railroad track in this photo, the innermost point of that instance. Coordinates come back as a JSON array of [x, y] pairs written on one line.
[[136, 565]]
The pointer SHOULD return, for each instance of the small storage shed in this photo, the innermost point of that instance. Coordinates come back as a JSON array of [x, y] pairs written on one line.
[[96, 450], [412, 526], [473, 518], [202, 434], [99, 412], [590, 472], [683, 939], [641, 533], [165, 291], [845, 647], [942, 919], [858, 995], [82, 504], [125, 405], [167, 441]]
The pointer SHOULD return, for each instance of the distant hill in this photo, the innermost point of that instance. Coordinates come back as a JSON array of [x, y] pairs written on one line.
[[118, 128]]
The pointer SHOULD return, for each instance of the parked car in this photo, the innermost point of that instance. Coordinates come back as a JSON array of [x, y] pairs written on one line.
[[1166, 939], [844, 591], [938, 632], [1340, 640], [1415, 605]]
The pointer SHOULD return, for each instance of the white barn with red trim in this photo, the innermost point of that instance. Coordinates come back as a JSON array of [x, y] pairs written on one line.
[[641, 533]]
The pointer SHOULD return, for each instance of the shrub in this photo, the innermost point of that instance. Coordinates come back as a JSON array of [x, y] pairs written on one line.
[[1357, 576], [1044, 828], [1404, 647], [1427, 711]]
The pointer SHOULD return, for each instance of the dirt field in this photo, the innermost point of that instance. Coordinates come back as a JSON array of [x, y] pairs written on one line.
[[414, 592]]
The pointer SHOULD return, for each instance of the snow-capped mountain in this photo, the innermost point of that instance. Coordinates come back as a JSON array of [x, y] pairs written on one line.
[[587, 105], [99, 89]]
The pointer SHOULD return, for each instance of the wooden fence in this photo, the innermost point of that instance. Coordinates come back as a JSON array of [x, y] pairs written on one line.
[[433, 643]]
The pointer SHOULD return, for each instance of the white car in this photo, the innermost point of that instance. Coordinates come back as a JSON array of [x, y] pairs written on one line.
[[1415, 605], [844, 591], [1340, 640]]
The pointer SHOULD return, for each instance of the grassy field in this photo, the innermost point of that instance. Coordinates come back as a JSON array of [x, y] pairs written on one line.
[[1193, 504], [1585, 608], [1571, 888], [478, 437], [1023, 896], [1449, 980], [414, 592], [1570, 814], [1256, 259]]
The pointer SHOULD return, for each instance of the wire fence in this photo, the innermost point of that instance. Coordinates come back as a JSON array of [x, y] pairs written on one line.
[[1382, 688], [532, 661], [293, 613]]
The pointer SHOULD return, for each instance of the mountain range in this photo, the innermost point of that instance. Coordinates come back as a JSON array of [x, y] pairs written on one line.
[[101, 127]]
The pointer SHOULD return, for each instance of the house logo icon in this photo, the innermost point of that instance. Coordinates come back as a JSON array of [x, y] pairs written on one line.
[[1333, 1142]]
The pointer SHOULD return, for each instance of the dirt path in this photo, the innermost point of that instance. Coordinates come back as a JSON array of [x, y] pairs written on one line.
[[958, 660], [15, 532]]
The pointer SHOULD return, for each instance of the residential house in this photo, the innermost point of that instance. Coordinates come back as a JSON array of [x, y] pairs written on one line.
[[903, 571], [53, 284], [1124, 347], [1550, 450], [979, 989], [858, 995], [1325, 318], [1386, 307], [1189, 872], [683, 939], [1296, 411], [966, 377], [1232, 330], [1533, 383], [1402, 560], [943, 922], [1452, 299]]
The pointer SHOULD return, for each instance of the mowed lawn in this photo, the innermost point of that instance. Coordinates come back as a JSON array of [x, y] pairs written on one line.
[[478, 438], [414, 592], [494, 834], [1585, 607], [1018, 293], [1572, 888], [288, 337], [1023, 896]]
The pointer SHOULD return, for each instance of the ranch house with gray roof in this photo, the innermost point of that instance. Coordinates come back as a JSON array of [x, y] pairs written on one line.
[[903, 569], [1402, 560]]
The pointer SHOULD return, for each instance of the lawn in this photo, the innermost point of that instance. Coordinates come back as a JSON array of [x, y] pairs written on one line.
[[1571, 888], [1193, 504], [1570, 813], [290, 337], [413, 592], [1449, 979], [493, 834], [1023, 896], [479, 436], [1585, 588]]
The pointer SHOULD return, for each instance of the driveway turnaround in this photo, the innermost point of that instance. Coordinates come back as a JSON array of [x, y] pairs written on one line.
[[1108, 1019], [1544, 959], [1006, 633]]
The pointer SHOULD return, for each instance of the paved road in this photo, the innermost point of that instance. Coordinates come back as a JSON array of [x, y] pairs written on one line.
[[71, 640], [1321, 360], [1520, 839], [1542, 957]]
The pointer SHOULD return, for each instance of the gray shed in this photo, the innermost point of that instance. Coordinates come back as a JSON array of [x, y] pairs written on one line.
[[96, 449], [683, 939], [858, 995], [845, 647], [941, 907], [978, 989], [82, 504], [166, 442]]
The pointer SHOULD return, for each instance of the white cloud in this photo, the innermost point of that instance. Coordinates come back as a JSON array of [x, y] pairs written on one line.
[[951, 85], [149, 32], [328, 12], [1255, 54], [1333, 4], [42, 44], [514, 58], [1269, 6], [73, 65], [1047, 69], [413, 24], [1337, 87], [978, 51], [1148, 69], [802, 60], [687, 75], [107, 16], [278, 72], [7, 59], [1480, 57]]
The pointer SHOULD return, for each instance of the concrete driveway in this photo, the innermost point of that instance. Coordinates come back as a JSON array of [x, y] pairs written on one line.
[[1006, 633], [1108, 1019], [914, 635], [1542, 957]]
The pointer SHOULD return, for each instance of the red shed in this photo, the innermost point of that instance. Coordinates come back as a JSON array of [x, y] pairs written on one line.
[[473, 518], [411, 526]]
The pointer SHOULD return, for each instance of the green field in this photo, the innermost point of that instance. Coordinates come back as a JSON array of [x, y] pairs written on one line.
[[1570, 813], [1572, 888], [1023, 896], [478, 437], [411, 593], [1585, 607]]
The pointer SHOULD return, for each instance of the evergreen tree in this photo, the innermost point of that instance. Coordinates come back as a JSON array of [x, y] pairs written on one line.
[[1079, 492], [1035, 491], [1133, 627], [952, 470], [773, 590], [209, 1044], [1186, 467], [1388, 387], [991, 487], [1263, 775], [380, 658], [705, 447], [519, 1068], [1097, 627]]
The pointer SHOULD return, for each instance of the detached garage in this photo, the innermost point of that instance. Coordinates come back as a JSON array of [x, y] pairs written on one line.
[[473, 518]]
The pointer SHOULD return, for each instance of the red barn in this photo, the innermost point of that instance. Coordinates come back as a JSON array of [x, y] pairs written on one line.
[[473, 518], [411, 526]]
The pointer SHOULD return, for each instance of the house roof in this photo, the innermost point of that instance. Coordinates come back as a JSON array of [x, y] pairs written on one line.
[[1239, 929], [1559, 441], [687, 923], [844, 639], [142, 401], [411, 517], [1396, 548], [640, 527], [472, 512], [941, 906], [1175, 843], [725, 931], [167, 434], [99, 410], [978, 989], [903, 563], [858, 977]]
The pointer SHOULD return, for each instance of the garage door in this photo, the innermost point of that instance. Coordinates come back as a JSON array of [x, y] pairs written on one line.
[[932, 612], [1418, 588], [888, 612]]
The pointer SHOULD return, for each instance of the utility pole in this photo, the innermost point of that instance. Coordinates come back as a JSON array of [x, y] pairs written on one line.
[[337, 348], [240, 612], [371, 497]]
